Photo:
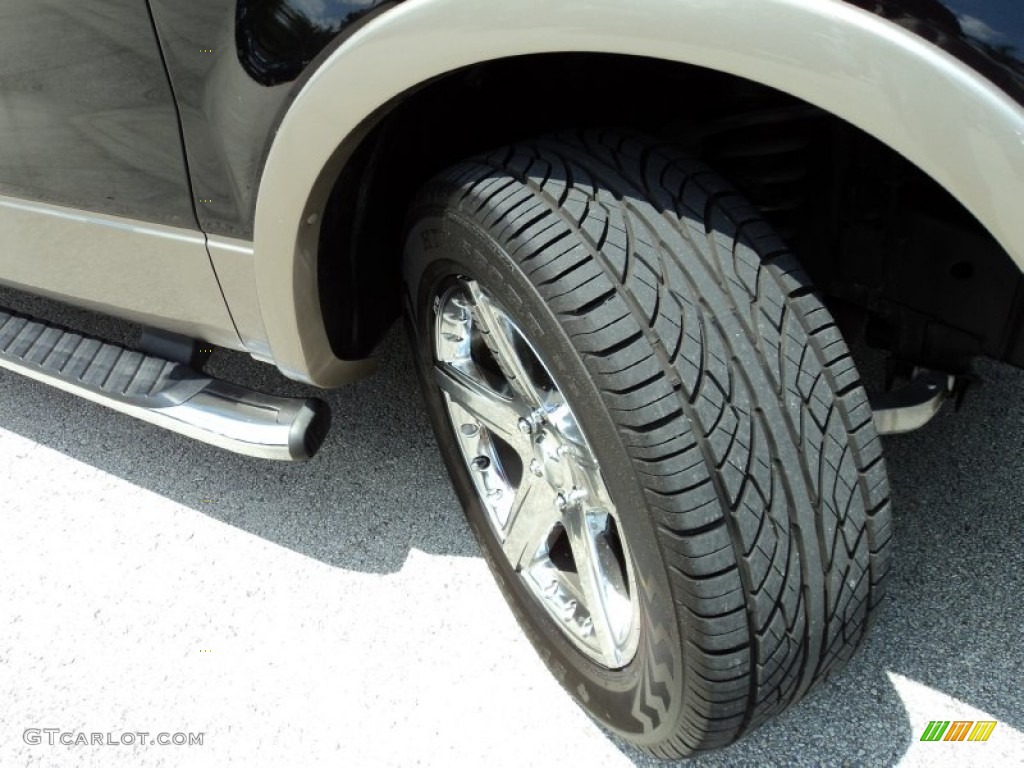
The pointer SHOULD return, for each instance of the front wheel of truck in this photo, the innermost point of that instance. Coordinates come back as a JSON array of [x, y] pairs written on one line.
[[655, 428]]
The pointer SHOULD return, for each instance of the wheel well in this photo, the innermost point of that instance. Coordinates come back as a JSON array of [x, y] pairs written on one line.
[[900, 261]]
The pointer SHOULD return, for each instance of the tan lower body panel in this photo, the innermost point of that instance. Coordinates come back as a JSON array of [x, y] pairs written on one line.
[[150, 274]]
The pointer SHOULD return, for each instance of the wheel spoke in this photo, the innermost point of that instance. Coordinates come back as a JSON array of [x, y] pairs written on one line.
[[586, 477], [530, 521], [499, 336], [536, 475], [496, 412], [560, 416], [583, 527]]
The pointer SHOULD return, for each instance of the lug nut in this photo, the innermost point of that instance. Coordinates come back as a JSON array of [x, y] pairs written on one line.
[[470, 430], [536, 468], [525, 427], [481, 463], [561, 502]]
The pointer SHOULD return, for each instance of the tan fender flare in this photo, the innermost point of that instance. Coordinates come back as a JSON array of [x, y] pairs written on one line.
[[943, 116]]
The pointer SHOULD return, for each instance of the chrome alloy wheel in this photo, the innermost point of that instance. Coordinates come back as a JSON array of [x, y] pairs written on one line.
[[536, 476]]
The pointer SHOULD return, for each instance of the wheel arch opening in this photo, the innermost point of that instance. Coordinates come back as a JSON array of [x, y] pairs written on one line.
[[903, 262]]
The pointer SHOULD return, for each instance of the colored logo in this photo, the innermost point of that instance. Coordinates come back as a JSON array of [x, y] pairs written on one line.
[[958, 730]]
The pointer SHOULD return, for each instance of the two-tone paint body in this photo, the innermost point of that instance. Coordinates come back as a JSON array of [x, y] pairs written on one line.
[[945, 116], [275, 97], [235, 67], [986, 35], [95, 201]]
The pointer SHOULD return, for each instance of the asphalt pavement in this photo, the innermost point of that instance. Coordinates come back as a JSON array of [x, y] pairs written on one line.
[[337, 612]]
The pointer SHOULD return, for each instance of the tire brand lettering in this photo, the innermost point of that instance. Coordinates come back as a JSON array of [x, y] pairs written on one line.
[[432, 238]]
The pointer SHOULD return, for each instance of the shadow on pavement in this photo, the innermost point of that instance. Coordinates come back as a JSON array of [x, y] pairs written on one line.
[[375, 489], [953, 618]]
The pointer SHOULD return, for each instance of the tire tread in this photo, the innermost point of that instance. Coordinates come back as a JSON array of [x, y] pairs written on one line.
[[735, 396]]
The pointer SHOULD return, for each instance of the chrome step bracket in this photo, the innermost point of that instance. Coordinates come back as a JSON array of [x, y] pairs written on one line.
[[163, 392], [914, 405]]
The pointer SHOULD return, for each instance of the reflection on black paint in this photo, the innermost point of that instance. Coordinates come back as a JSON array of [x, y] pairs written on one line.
[[998, 54], [87, 118], [231, 100], [277, 38]]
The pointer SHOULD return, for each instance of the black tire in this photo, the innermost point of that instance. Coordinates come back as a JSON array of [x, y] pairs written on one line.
[[725, 410]]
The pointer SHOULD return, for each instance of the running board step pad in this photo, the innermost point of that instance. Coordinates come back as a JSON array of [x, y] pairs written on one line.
[[164, 393]]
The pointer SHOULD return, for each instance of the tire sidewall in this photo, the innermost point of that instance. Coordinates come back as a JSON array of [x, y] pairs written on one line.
[[642, 700]]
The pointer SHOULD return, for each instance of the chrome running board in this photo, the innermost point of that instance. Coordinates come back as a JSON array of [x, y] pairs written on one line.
[[165, 393]]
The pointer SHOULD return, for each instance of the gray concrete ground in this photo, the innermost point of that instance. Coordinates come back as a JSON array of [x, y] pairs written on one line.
[[337, 613]]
